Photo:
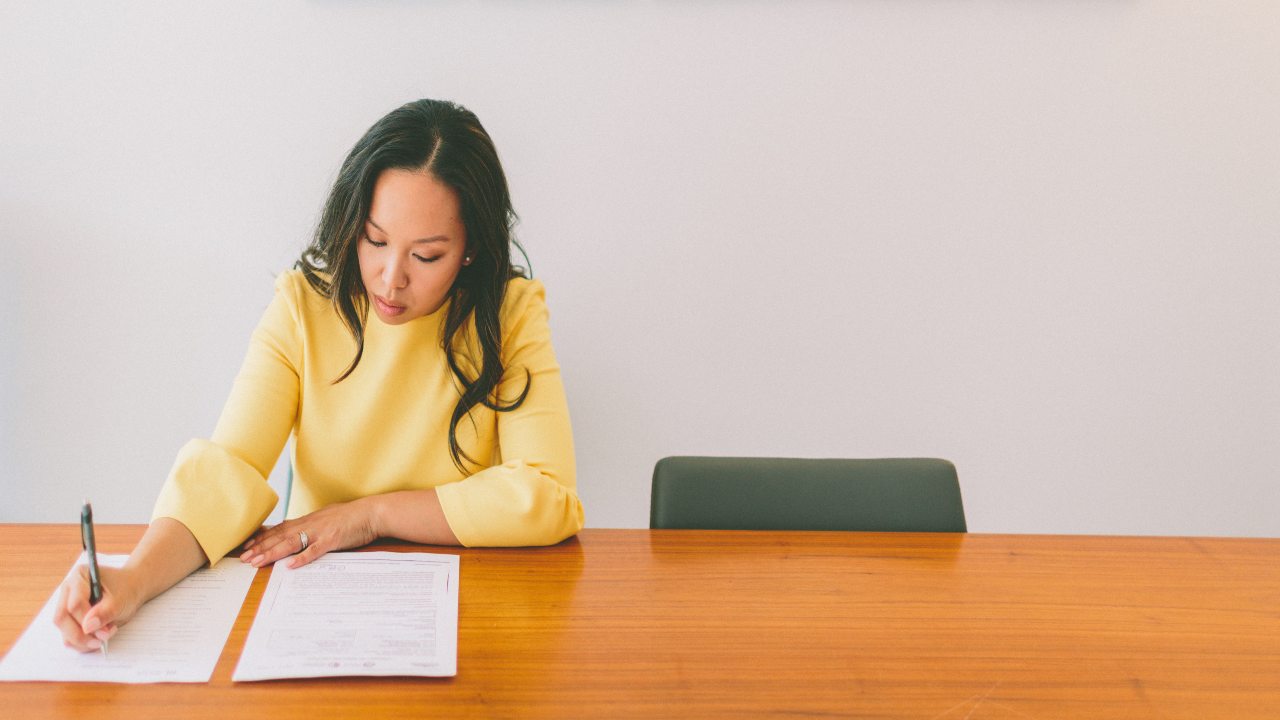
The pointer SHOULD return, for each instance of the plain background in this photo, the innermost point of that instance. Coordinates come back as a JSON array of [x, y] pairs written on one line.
[[1036, 237]]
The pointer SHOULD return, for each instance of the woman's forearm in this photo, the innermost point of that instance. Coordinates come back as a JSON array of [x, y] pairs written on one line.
[[166, 554], [413, 515]]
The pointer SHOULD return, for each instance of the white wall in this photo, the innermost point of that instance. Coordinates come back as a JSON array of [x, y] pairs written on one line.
[[1036, 237]]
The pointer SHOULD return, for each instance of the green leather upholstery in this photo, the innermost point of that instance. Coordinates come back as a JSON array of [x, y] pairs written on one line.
[[715, 493], [288, 492]]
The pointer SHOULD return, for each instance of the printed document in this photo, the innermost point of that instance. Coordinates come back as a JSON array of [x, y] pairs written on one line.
[[356, 613], [177, 637]]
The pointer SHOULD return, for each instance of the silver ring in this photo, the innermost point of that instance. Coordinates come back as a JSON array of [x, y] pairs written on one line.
[[302, 535]]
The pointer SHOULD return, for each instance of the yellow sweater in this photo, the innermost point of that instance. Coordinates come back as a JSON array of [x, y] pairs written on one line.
[[384, 428]]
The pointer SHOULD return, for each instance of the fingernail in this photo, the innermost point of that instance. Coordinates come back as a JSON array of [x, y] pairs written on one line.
[[257, 561], [102, 635], [92, 625], [93, 643]]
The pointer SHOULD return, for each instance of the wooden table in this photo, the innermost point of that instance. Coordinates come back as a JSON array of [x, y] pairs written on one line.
[[699, 624]]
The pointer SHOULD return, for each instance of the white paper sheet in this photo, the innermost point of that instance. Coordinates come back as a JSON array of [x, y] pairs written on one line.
[[177, 637], [367, 613]]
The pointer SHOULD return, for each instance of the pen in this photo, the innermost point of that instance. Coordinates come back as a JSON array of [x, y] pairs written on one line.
[[91, 549]]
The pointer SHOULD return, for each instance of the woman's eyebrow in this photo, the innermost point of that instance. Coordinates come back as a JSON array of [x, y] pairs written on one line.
[[432, 239]]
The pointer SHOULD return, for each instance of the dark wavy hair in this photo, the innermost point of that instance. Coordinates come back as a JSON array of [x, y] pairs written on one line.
[[447, 141]]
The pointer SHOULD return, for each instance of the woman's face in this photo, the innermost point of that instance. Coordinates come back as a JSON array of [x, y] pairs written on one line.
[[413, 246]]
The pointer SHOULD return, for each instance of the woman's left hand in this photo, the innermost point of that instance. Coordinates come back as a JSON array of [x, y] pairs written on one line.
[[336, 527]]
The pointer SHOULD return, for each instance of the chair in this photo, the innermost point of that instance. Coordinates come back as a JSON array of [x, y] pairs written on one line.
[[715, 493], [288, 492]]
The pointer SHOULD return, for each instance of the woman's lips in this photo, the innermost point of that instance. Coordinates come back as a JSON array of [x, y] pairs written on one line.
[[387, 308]]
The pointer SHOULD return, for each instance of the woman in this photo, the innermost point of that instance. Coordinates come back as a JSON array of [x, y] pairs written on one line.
[[442, 421]]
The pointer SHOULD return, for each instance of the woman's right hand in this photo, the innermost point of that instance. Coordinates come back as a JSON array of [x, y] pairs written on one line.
[[85, 627]]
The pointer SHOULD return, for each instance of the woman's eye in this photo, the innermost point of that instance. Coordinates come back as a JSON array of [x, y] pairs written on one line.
[[374, 243], [431, 259]]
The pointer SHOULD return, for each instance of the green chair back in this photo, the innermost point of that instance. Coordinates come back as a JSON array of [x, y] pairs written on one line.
[[717, 493], [288, 492]]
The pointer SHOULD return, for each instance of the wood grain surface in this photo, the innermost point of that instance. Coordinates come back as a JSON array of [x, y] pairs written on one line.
[[674, 623]]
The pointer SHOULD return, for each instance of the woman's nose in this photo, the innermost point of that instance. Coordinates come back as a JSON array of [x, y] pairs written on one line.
[[394, 275]]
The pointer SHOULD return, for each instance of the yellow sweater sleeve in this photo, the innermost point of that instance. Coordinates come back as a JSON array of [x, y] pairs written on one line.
[[218, 487], [529, 497]]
